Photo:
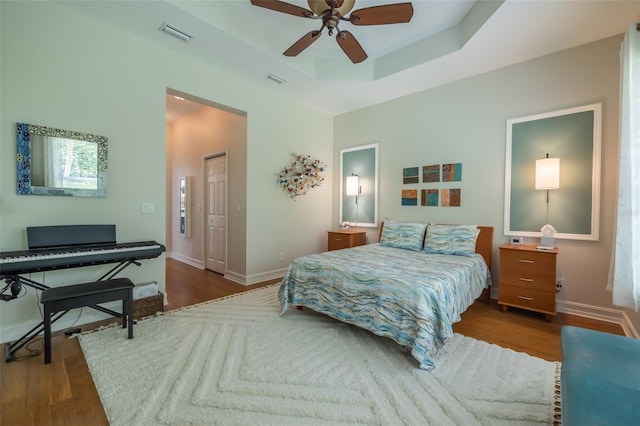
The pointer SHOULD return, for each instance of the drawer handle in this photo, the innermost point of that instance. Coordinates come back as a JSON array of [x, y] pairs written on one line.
[[529, 280], [525, 298], [525, 261], [337, 239]]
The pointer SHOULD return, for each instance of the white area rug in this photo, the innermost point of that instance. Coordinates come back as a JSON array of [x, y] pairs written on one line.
[[237, 362]]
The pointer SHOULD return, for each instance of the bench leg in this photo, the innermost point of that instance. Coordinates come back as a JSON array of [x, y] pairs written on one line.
[[129, 315], [47, 334], [125, 310]]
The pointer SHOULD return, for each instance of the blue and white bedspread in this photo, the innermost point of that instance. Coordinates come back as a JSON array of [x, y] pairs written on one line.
[[410, 296]]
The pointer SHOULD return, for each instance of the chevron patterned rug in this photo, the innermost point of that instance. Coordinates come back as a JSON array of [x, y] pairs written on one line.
[[235, 361]]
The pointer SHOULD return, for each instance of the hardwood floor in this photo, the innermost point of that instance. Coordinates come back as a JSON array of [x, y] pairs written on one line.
[[188, 286], [521, 330], [63, 393]]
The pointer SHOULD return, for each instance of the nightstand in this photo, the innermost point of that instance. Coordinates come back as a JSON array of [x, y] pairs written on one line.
[[528, 279], [345, 239]]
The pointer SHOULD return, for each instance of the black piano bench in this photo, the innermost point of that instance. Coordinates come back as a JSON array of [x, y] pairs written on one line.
[[68, 297]]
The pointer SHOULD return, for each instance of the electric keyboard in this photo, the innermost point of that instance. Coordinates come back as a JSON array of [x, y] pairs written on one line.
[[73, 246], [38, 260]]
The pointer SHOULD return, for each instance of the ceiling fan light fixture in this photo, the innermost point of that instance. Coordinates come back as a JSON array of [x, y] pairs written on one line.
[[319, 6], [176, 32], [276, 78], [333, 12]]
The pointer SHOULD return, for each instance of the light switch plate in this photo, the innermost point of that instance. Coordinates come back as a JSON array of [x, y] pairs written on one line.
[[148, 208]]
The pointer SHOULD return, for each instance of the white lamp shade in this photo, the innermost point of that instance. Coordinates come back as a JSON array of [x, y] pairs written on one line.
[[352, 186], [548, 173]]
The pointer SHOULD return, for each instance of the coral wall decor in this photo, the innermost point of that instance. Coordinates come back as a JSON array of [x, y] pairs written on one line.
[[301, 175]]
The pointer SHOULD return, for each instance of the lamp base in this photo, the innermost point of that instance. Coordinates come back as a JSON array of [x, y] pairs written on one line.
[[547, 241]]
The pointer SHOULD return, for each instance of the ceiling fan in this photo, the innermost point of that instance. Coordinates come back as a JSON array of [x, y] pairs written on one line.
[[331, 12]]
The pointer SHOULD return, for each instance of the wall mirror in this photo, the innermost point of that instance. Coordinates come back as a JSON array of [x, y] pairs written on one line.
[[359, 185], [60, 162], [572, 137], [184, 188]]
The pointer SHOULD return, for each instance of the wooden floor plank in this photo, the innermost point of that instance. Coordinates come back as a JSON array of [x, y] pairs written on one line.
[[63, 392]]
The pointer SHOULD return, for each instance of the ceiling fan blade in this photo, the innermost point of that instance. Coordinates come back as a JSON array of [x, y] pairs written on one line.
[[379, 15], [280, 6], [304, 42], [351, 47]]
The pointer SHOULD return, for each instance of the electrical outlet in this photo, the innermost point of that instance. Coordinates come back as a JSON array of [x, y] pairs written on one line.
[[517, 240], [559, 283]]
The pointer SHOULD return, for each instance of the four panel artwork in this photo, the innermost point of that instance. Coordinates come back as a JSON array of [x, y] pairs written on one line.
[[432, 197]]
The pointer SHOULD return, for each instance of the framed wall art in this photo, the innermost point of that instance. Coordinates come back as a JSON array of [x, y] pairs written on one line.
[[572, 139], [431, 173], [360, 164]]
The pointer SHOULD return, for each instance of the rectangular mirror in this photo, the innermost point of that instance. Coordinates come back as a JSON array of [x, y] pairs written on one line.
[[571, 204], [184, 186], [60, 162], [359, 186]]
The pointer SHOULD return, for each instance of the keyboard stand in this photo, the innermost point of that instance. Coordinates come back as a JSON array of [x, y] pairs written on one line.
[[11, 348]]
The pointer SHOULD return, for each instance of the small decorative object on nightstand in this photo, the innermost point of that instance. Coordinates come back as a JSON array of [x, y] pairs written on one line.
[[345, 239], [528, 279]]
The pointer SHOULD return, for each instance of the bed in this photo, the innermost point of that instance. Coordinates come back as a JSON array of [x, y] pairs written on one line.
[[410, 287]]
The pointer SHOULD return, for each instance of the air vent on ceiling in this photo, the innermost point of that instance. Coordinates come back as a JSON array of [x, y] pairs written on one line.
[[176, 32], [276, 78]]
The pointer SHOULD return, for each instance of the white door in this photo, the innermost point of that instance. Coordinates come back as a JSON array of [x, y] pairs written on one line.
[[216, 213]]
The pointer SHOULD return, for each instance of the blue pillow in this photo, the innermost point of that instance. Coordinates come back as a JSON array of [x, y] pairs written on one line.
[[403, 235], [451, 239]]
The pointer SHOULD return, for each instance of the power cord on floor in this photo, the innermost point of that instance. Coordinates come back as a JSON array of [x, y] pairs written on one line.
[[31, 352]]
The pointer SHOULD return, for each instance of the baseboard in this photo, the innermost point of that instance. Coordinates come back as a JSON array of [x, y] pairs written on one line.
[[255, 278], [614, 316], [493, 292], [236, 277], [628, 327], [196, 263], [231, 275]]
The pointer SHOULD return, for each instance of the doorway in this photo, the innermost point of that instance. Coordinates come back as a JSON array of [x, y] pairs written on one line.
[[199, 130], [216, 213]]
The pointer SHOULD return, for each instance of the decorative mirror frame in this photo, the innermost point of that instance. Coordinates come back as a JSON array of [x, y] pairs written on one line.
[[184, 194], [363, 161], [24, 134], [577, 202]]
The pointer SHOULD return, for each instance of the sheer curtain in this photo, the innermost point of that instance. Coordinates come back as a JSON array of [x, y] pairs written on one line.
[[625, 268]]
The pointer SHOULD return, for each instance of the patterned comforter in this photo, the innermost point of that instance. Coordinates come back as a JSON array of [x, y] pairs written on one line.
[[409, 296]]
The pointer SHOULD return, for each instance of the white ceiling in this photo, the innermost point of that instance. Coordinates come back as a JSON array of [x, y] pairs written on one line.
[[446, 40]]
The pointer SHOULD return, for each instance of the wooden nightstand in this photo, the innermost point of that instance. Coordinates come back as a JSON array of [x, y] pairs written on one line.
[[528, 279], [345, 239]]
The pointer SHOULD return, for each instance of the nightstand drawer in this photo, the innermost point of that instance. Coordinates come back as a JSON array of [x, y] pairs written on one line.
[[528, 299], [530, 281], [527, 265], [341, 242], [337, 240]]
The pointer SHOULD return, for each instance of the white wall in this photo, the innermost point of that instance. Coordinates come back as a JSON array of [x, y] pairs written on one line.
[[62, 69], [280, 229], [466, 122]]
